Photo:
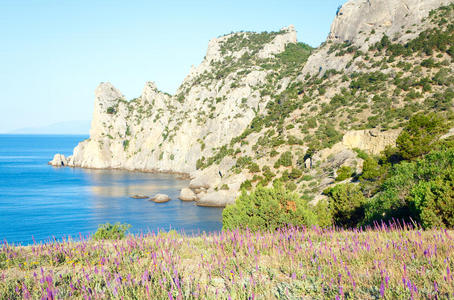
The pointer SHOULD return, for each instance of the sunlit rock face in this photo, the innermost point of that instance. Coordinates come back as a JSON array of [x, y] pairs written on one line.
[[364, 22], [357, 18], [170, 133]]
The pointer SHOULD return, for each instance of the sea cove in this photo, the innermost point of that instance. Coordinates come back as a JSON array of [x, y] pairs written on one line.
[[41, 202]]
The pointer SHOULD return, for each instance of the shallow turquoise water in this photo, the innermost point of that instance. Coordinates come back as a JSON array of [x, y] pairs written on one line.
[[41, 202]]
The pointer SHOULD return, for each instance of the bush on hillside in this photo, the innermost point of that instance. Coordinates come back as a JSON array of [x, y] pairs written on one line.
[[418, 136], [421, 190], [371, 169], [267, 209], [284, 160], [344, 173], [346, 204], [323, 213]]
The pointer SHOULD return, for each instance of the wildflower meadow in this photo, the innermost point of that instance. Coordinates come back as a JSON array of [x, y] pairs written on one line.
[[392, 261]]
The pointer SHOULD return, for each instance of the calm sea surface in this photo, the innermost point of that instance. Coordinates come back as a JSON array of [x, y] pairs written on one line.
[[41, 202]]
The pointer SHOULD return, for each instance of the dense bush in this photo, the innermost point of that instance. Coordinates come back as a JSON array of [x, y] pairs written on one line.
[[371, 169], [323, 213], [284, 160], [344, 172], [418, 136], [254, 168], [346, 203], [295, 174], [111, 231], [421, 190], [267, 209], [246, 185], [111, 110]]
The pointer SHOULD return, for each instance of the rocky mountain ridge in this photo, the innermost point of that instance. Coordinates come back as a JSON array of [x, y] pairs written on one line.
[[259, 108]]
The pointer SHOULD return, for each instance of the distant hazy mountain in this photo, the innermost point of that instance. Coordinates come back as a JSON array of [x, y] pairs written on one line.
[[66, 127]]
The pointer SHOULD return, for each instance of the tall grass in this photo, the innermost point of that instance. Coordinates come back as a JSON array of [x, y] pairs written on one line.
[[389, 261]]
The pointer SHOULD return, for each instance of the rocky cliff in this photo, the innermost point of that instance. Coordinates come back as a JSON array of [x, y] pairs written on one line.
[[362, 23], [262, 107], [214, 104]]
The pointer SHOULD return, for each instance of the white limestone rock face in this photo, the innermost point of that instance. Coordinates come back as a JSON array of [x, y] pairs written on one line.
[[160, 132], [279, 43], [371, 141], [357, 18], [59, 160], [363, 23]]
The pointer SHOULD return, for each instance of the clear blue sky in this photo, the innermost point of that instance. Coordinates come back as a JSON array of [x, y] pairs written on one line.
[[53, 53]]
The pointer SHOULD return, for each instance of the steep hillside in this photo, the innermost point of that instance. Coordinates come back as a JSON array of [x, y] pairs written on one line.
[[259, 109]]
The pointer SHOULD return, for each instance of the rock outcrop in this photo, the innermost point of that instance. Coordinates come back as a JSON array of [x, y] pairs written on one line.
[[362, 23], [59, 160], [163, 133], [187, 194], [356, 19], [372, 141], [160, 198]]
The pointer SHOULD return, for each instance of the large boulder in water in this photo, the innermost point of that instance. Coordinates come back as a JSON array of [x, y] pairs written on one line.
[[187, 194], [160, 198]]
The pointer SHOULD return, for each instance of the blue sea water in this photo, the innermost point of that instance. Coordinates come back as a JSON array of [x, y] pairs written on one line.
[[41, 202]]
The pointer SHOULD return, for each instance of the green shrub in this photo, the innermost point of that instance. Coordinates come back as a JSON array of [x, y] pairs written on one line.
[[346, 204], [420, 190], [323, 213], [111, 110], [361, 153], [371, 170], [267, 209], [434, 202], [307, 177], [344, 172], [109, 231], [285, 176], [284, 160], [225, 187], [296, 173], [267, 173], [418, 136], [200, 163], [246, 185], [125, 145], [291, 186], [254, 168]]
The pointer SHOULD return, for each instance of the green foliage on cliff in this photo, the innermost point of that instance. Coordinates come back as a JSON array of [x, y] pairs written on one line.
[[344, 173], [285, 160]]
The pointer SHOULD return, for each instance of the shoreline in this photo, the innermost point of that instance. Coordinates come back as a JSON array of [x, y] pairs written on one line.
[[180, 175]]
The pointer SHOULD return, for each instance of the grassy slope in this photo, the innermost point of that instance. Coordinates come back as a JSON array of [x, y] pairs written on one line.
[[390, 262]]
